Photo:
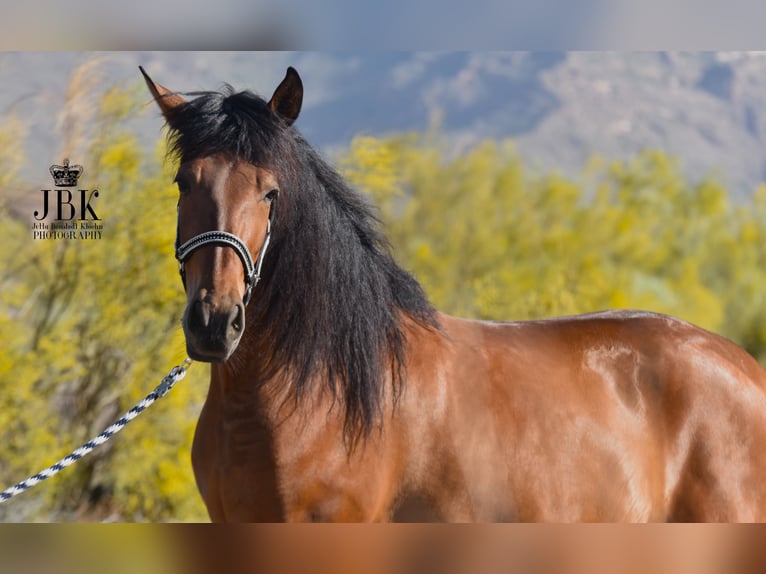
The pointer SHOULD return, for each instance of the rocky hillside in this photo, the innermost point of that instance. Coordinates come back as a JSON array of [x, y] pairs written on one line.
[[561, 108]]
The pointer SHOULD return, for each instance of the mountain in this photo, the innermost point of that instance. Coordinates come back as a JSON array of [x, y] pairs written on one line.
[[707, 108]]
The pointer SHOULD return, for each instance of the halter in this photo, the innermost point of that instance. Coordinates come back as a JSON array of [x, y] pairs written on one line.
[[252, 270]]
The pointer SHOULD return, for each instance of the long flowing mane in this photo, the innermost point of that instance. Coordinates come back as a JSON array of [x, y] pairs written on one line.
[[332, 301]]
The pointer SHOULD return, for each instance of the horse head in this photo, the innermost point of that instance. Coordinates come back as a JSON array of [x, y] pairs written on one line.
[[226, 205]]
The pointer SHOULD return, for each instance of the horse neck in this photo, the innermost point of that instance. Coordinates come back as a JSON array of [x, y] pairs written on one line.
[[247, 380]]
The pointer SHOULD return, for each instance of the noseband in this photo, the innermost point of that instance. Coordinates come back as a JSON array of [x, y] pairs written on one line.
[[252, 270]]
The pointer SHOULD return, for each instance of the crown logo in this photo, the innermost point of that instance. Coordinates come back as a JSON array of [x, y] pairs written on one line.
[[66, 175]]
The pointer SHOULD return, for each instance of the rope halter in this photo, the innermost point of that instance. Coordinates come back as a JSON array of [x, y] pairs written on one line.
[[252, 270]]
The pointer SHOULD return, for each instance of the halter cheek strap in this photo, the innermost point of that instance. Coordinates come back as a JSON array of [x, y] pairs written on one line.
[[252, 270]]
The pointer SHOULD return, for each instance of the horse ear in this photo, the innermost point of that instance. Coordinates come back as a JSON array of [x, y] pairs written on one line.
[[288, 97], [166, 100]]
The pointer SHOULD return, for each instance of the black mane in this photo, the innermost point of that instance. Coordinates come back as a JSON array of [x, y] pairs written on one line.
[[332, 298]]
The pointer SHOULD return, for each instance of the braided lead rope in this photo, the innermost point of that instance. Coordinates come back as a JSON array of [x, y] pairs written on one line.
[[176, 374]]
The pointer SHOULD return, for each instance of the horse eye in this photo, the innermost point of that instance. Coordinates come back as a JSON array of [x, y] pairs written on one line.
[[271, 196], [183, 187]]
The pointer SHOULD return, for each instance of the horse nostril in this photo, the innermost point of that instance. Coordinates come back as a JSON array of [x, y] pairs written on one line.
[[238, 318], [199, 316]]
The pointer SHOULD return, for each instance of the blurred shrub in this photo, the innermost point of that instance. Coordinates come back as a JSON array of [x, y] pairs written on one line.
[[488, 239], [88, 328]]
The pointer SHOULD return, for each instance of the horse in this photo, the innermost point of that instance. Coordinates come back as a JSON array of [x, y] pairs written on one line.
[[339, 393]]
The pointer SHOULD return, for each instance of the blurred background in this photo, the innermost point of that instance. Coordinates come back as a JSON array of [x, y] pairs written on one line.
[[393, 25], [514, 185]]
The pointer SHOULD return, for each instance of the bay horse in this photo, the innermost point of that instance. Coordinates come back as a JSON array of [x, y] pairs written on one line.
[[338, 393]]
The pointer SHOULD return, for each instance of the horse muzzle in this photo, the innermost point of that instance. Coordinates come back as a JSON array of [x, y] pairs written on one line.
[[213, 332]]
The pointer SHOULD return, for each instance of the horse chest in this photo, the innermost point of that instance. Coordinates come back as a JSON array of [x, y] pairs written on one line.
[[234, 464], [251, 470]]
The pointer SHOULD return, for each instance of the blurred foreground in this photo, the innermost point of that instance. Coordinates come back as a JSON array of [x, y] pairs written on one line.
[[405, 549]]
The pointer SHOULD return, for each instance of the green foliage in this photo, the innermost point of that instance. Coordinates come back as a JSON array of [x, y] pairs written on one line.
[[488, 239], [89, 328]]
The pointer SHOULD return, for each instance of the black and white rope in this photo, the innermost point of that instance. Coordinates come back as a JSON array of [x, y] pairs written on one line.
[[176, 374]]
